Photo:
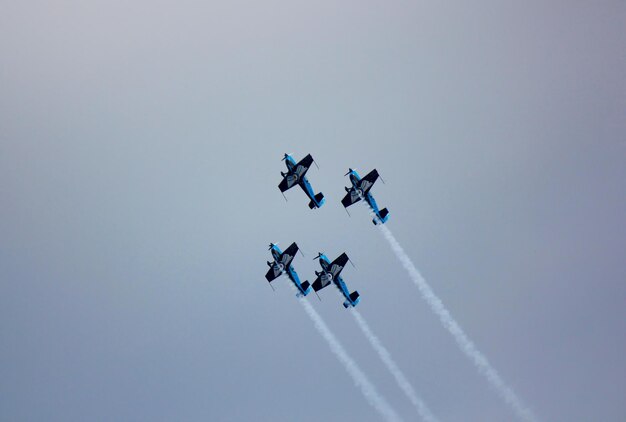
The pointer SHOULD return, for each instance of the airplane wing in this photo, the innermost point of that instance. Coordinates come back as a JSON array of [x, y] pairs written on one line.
[[296, 175], [289, 254], [273, 273], [368, 181], [320, 282], [288, 182], [337, 265], [306, 162], [351, 197]]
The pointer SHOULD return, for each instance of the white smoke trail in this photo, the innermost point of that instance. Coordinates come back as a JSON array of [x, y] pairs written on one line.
[[466, 345], [367, 388], [391, 365]]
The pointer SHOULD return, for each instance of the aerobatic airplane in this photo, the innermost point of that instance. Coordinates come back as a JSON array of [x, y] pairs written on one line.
[[330, 273], [361, 190], [282, 265], [296, 176]]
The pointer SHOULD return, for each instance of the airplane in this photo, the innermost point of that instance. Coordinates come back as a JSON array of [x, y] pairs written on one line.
[[296, 176], [330, 273], [282, 265], [361, 190]]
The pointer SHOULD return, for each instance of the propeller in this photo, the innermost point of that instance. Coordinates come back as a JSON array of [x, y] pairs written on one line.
[[349, 171], [285, 156], [272, 245], [319, 255]]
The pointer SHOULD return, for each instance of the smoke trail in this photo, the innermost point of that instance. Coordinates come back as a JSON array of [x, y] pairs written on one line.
[[466, 345], [367, 388], [391, 365]]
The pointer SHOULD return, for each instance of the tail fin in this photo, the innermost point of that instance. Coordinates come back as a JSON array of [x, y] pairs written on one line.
[[355, 297], [318, 202], [306, 287], [383, 216], [354, 300]]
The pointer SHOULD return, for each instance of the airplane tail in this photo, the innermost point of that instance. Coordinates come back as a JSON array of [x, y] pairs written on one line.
[[306, 287], [383, 216], [318, 202], [354, 300]]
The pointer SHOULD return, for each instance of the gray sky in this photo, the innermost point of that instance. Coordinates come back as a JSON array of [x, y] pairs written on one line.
[[140, 147]]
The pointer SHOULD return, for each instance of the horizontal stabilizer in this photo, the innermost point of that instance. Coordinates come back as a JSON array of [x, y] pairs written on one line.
[[354, 296], [318, 202], [354, 300], [383, 216], [306, 287]]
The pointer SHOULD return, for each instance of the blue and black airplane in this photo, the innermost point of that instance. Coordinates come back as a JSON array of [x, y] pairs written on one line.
[[296, 176], [361, 190], [282, 265], [331, 273]]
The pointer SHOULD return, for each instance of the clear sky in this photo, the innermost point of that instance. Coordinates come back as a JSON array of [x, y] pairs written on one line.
[[140, 146]]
